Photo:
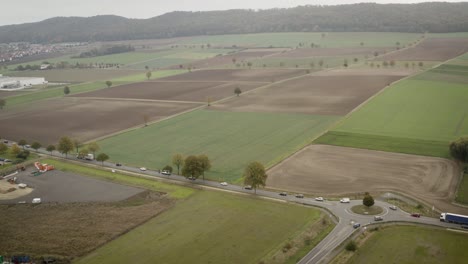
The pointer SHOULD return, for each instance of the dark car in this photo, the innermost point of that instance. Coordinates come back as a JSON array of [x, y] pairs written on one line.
[[192, 178], [248, 187], [118, 164], [283, 194], [416, 215], [356, 225], [300, 195], [5, 141]]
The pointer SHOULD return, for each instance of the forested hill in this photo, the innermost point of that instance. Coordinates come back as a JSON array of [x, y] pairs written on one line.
[[431, 17]]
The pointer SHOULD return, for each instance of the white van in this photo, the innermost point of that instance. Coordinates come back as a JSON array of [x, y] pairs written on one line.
[[36, 201], [344, 200]]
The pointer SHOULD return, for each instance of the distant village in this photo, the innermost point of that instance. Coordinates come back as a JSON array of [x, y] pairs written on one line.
[[10, 52]]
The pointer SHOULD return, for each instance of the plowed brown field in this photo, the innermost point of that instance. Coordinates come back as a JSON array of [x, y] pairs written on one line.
[[173, 90], [434, 49], [327, 93], [330, 170], [82, 119]]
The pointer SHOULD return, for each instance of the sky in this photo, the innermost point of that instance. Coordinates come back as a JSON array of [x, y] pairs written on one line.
[[23, 11]]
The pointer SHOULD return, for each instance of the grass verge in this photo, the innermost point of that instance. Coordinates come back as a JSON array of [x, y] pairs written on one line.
[[174, 191], [364, 210], [462, 192], [412, 244]]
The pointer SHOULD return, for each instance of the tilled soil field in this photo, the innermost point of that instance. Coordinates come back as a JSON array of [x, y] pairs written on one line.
[[230, 75], [67, 231], [173, 90], [77, 75], [80, 118], [433, 49], [321, 94], [330, 170]]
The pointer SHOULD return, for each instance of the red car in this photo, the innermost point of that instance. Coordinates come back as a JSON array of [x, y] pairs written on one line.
[[416, 215]]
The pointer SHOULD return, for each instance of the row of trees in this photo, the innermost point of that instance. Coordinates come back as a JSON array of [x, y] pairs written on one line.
[[367, 17], [195, 166]]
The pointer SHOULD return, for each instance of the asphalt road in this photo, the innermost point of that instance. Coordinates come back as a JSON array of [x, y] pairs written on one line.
[[342, 211]]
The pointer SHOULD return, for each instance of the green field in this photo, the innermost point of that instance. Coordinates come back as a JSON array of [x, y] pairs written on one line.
[[54, 92], [209, 227], [431, 112], [230, 139], [413, 244], [163, 58], [462, 193], [331, 40]]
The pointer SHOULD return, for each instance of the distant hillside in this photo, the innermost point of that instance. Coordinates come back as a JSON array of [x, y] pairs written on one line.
[[431, 17]]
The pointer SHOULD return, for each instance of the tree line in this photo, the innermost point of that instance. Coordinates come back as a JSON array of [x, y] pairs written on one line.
[[365, 17]]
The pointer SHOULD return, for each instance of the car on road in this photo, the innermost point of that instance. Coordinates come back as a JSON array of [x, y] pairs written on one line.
[[118, 164], [5, 141], [283, 194], [417, 215], [36, 201], [356, 225], [248, 187], [191, 178], [165, 172], [143, 169], [345, 200], [7, 160], [27, 146], [224, 184], [299, 195], [319, 199], [393, 207], [378, 218]]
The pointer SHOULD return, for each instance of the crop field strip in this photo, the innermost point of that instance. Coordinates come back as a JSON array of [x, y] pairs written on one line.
[[206, 226], [230, 139]]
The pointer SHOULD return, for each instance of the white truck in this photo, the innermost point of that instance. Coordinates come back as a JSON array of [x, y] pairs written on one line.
[[344, 200]]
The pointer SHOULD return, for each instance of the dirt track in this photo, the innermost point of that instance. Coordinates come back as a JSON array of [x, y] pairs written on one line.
[[80, 118], [321, 94], [330, 170], [433, 49]]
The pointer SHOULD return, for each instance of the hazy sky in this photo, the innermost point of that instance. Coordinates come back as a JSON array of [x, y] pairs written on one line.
[[22, 11]]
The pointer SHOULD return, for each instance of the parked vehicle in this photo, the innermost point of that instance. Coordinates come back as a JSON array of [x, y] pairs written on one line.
[[345, 200], [36, 200], [454, 218], [378, 218]]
